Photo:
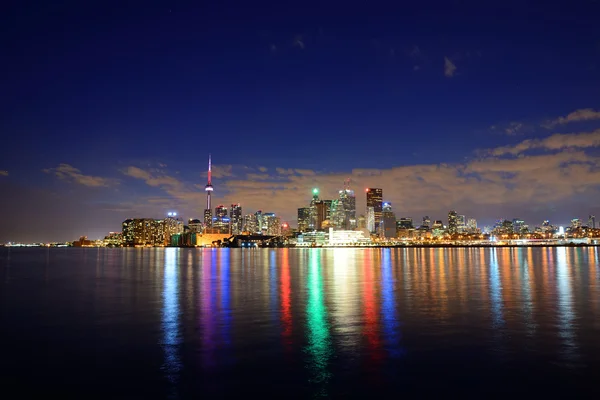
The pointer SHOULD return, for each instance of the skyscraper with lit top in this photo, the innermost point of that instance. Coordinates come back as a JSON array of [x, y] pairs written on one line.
[[375, 200]]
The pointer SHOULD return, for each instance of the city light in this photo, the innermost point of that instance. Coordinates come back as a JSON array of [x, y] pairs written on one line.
[[315, 191]]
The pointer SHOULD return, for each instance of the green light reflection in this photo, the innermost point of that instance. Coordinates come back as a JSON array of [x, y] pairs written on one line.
[[319, 342]]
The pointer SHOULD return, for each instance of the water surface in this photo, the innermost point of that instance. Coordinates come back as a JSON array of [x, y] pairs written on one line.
[[181, 323]]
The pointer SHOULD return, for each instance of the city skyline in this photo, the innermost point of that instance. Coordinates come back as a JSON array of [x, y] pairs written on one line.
[[481, 110]]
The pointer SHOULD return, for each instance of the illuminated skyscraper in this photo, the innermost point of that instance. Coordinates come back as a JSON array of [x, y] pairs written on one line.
[[472, 225], [370, 219], [348, 200], [208, 189], [128, 232], [375, 200], [221, 221], [237, 222], [387, 227], [452, 222], [426, 225], [271, 224], [250, 224], [592, 221], [170, 226], [321, 213], [195, 225], [312, 223], [303, 219]]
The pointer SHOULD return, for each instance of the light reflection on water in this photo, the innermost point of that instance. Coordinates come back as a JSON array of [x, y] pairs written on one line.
[[315, 319]]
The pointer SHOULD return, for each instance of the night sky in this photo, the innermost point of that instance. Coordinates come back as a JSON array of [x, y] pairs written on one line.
[[110, 109]]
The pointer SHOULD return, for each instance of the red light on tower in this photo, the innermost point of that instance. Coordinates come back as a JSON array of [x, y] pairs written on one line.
[[367, 189]]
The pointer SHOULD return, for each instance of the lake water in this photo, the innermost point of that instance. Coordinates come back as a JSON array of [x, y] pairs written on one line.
[[299, 323]]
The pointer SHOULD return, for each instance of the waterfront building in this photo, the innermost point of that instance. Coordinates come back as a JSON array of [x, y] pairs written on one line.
[[195, 225], [405, 223], [437, 229], [452, 222], [237, 222], [348, 237], [370, 219], [170, 226], [250, 224], [312, 239], [128, 229], [361, 222], [375, 200], [518, 225], [271, 224], [387, 226], [472, 225], [113, 239], [426, 224], [303, 219]]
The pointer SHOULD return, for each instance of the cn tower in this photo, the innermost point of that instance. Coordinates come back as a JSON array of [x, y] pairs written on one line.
[[208, 189]]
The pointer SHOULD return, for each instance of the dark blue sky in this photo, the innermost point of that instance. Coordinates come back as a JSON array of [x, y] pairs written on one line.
[[327, 87]]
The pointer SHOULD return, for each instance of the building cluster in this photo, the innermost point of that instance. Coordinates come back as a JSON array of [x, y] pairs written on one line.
[[327, 222]]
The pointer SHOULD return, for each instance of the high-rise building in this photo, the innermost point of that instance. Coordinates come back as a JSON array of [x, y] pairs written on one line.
[[461, 223], [250, 224], [143, 232], [370, 217], [405, 223], [472, 225], [452, 222], [271, 224], [171, 226], [426, 225], [237, 222], [348, 200], [575, 223], [387, 227], [195, 225], [375, 200], [220, 211], [321, 213], [208, 189], [517, 225], [303, 218], [312, 222], [592, 221], [128, 232], [361, 222]]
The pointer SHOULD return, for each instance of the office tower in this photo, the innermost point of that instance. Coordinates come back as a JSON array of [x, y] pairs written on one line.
[[312, 223], [472, 225], [426, 225], [195, 225], [259, 221], [517, 225], [271, 224], [405, 223], [221, 221], [575, 223], [208, 189], [375, 200], [461, 223], [321, 213], [348, 200], [235, 215], [452, 222], [370, 217], [388, 222], [361, 222], [250, 224], [128, 232], [592, 221], [170, 226], [303, 218]]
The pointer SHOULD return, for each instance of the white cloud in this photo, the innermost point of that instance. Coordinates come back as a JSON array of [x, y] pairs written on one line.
[[558, 141], [585, 114], [449, 68], [69, 173]]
